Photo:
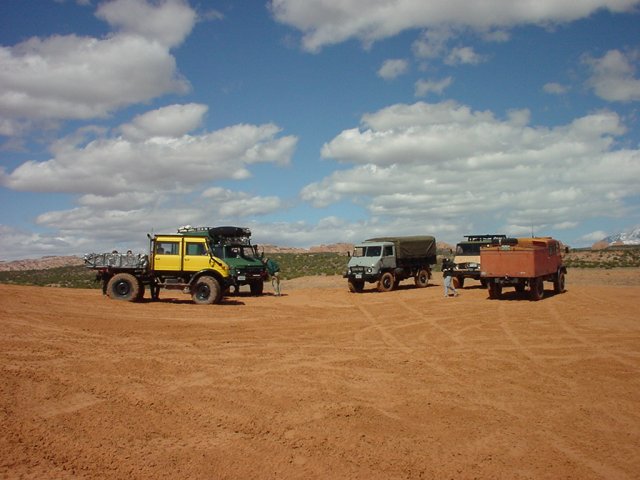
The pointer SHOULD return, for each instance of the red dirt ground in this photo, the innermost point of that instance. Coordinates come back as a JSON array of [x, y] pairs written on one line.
[[321, 383]]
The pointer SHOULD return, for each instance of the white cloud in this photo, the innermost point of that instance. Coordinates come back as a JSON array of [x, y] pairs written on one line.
[[72, 77], [594, 236], [424, 87], [445, 163], [170, 121], [153, 178], [233, 204], [463, 56], [106, 165], [393, 68], [555, 88], [328, 22], [432, 43], [167, 22], [612, 76]]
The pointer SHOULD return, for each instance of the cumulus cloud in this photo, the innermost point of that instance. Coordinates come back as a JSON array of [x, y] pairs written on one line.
[[75, 77], [613, 76], [170, 121], [233, 204], [393, 68], [154, 176], [155, 154], [555, 88], [328, 22], [424, 87], [463, 56], [446, 163], [168, 22], [593, 237]]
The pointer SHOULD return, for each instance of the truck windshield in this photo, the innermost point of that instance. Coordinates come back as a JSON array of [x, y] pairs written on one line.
[[367, 251], [468, 249]]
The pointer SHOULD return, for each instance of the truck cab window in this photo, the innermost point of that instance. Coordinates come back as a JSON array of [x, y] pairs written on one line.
[[373, 251], [167, 248], [196, 249], [388, 251]]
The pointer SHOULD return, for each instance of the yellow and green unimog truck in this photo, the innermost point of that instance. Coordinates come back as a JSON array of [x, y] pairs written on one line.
[[175, 262]]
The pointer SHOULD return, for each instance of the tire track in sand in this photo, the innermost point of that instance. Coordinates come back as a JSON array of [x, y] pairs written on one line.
[[388, 338]]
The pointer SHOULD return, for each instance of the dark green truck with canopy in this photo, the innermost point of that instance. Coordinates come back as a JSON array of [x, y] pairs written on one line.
[[389, 260]]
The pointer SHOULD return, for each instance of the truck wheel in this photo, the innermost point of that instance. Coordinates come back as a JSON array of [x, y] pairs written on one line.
[[536, 286], [458, 282], [558, 283], [495, 290], [356, 286], [386, 282], [206, 291], [123, 286], [256, 287], [422, 278]]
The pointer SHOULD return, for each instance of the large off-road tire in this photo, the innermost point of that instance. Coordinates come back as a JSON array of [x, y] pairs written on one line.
[[422, 278], [558, 283], [356, 286], [206, 291], [257, 287], [495, 290], [123, 286], [386, 282], [536, 289], [458, 282]]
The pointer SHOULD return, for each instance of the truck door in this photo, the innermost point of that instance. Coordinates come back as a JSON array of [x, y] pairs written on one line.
[[388, 257], [196, 255], [166, 256]]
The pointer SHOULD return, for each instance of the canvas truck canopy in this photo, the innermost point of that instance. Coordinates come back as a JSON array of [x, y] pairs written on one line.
[[411, 247]]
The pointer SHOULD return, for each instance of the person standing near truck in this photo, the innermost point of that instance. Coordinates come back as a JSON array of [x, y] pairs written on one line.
[[447, 274], [274, 271]]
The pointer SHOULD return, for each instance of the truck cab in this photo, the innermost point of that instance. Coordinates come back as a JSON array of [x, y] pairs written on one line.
[[179, 253], [389, 260], [369, 258], [233, 246], [467, 257]]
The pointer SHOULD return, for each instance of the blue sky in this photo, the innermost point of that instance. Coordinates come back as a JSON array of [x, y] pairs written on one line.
[[316, 121]]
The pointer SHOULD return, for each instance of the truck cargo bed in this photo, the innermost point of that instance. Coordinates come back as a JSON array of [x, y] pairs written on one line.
[[116, 260], [518, 261]]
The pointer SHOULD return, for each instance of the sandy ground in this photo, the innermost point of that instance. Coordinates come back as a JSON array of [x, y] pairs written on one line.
[[321, 383]]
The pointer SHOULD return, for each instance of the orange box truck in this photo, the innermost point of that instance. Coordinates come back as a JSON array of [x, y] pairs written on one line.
[[522, 263]]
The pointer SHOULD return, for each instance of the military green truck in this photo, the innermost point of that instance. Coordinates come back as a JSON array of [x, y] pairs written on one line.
[[233, 246], [175, 262], [467, 258], [389, 260]]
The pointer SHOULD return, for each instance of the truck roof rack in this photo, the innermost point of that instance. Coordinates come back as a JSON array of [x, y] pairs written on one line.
[[225, 231], [481, 238]]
